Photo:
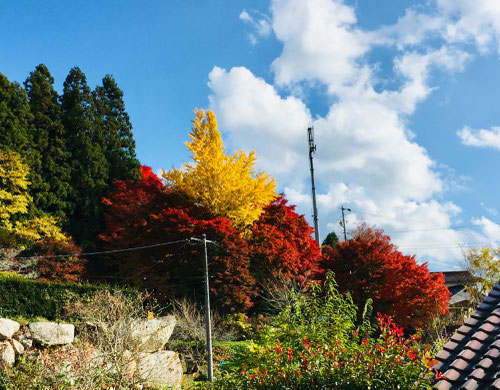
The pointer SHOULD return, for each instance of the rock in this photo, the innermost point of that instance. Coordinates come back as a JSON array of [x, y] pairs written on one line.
[[151, 335], [8, 328], [51, 333], [7, 354], [18, 347], [160, 369], [26, 341]]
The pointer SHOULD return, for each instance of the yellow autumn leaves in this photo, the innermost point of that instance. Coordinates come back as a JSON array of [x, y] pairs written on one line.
[[16, 228], [227, 185]]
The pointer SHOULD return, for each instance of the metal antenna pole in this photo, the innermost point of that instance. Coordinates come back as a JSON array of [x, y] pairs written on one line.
[[312, 149], [207, 317]]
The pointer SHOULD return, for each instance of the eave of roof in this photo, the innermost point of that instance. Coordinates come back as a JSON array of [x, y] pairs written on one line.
[[471, 359]]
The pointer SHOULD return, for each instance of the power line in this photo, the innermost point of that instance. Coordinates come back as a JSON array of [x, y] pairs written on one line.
[[136, 248], [444, 245], [361, 214]]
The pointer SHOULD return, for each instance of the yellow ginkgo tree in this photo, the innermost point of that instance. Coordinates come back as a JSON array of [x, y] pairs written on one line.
[[228, 185], [16, 227]]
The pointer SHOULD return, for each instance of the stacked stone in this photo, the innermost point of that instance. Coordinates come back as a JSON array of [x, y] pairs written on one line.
[[158, 367], [13, 342]]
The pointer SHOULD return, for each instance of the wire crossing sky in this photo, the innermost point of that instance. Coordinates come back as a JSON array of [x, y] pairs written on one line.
[[403, 96]]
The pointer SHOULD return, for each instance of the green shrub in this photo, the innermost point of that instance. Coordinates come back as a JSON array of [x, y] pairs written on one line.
[[27, 298], [317, 344]]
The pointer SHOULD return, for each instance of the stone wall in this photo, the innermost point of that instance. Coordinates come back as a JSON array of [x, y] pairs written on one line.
[[154, 365]]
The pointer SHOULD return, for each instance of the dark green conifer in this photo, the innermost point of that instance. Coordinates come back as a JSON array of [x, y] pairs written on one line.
[[331, 239], [89, 167], [112, 119], [50, 177], [14, 119]]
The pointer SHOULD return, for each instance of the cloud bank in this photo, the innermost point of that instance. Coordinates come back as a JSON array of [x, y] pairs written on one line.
[[367, 158]]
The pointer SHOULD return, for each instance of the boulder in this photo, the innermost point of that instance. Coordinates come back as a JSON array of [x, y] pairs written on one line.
[[161, 369], [8, 328], [51, 333], [18, 347], [151, 335], [7, 354]]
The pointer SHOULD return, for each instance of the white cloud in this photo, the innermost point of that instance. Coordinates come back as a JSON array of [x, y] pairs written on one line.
[[255, 117], [415, 67], [455, 21], [490, 210], [480, 137], [477, 21], [367, 157], [490, 229], [411, 29], [259, 23], [320, 43]]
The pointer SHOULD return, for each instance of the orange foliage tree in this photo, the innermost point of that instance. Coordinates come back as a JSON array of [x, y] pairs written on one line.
[[370, 266], [144, 212], [281, 243]]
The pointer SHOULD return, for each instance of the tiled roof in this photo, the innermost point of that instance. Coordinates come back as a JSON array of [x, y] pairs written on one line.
[[457, 276], [471, 359]]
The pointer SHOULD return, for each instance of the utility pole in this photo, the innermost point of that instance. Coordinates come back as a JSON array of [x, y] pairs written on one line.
[[312, 149], [207, 315], [343, 220], [208, 330]]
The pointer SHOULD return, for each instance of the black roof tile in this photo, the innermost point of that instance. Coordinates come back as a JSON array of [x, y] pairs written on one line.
[[471, 321], [457, 337], [496, 384], [471, 384], [443, 385], [471, 359]]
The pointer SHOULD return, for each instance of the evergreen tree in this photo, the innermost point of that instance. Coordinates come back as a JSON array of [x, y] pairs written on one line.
[[89, 168], [331, 239], [112, 119], [50, 175], [14, 118]]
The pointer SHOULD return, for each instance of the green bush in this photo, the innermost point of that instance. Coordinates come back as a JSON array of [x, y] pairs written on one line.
[[21, 297], [317, 344]]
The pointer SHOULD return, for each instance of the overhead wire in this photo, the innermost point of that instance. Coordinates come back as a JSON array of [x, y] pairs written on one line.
[[434, 228], [85, 254], [420, 229], [122, 250]]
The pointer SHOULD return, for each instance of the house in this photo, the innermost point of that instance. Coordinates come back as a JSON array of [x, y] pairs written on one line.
[[459, 304], [471, 359]]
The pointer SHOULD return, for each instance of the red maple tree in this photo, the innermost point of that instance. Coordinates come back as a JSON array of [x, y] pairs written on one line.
[[281, 243], [146, 213], [370, 266], [56, 265]]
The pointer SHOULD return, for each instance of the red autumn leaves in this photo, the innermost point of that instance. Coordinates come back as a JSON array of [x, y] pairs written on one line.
[[278, 243], [369, 266]]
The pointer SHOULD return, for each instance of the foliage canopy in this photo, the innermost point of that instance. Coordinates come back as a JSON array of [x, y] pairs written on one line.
[[227, 185], [146, 212], [315, 344], [16, 227], [369, 266], [484, 266]]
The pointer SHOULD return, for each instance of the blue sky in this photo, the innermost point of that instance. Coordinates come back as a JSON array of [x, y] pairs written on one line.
[[403, 96]]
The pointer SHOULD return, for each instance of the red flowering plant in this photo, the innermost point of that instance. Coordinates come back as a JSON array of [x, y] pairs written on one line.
[[317, 345]]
